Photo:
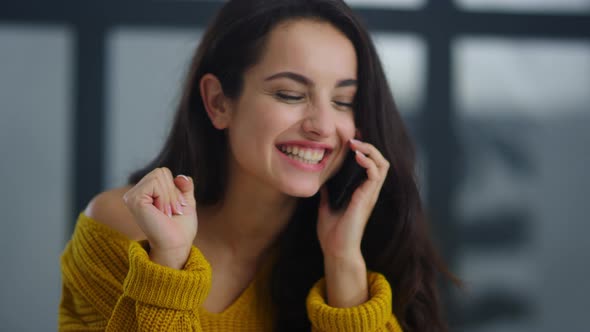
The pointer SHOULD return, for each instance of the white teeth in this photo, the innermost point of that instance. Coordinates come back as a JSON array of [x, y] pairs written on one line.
[[308, 156]]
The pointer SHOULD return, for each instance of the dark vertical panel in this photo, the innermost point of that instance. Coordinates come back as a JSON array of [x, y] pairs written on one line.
[[440, 140], [89, 114]]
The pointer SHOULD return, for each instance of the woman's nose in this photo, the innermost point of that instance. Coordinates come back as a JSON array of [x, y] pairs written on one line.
[[319, 120]]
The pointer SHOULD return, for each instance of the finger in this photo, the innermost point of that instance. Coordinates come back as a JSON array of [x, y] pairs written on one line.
[[372, 186], [373, 173], [179, 201], [174, 202], [162, 188], [186, 189], [149, 186], [372, 152], [159, 205], [145, 192]]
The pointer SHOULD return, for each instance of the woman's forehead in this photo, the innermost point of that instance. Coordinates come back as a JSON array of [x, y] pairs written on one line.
[[312, 48]]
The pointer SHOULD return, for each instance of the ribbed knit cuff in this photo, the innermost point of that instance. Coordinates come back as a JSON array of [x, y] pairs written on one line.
[[365, 317], [165, 287]]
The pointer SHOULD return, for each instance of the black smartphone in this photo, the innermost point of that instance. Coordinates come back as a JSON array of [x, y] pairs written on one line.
[[343, 184]]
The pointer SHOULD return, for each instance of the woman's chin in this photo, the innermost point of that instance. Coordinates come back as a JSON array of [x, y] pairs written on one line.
[[302, 191]]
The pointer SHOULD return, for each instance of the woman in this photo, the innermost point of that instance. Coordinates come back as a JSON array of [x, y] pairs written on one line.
[[276, 93]]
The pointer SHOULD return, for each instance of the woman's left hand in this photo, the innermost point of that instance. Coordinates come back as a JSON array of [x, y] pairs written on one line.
[[340, 232]]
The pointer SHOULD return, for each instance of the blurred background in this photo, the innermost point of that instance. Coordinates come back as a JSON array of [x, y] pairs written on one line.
[[496, 94]]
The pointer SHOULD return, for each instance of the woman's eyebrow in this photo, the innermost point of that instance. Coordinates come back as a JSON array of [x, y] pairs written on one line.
[[345, 83], [307, 81]]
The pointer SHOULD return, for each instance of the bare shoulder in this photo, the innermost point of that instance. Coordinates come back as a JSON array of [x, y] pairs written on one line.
[[109, 209]]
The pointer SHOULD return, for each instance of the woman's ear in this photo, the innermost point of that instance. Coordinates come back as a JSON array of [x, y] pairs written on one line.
[[215, 101]]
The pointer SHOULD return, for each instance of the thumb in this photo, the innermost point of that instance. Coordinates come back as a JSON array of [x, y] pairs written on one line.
[[186, 186]]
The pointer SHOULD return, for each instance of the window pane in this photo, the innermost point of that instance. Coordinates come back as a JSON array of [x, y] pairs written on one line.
[[566, 6], [527, 77], [144, 75], [35, 172], [410, 4], [413, 4], [404, 62], [524, 120]]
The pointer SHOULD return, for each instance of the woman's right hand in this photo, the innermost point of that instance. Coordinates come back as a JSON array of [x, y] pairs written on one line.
[[164, 207]]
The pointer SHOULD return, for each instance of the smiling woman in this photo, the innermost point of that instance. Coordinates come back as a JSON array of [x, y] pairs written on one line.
[[278, 96], [293, 98]]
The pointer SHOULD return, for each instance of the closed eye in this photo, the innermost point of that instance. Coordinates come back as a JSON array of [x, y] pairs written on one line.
[[288, 97], [343, 104]]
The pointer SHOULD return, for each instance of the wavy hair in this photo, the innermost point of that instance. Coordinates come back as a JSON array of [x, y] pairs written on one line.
[[395, 242]]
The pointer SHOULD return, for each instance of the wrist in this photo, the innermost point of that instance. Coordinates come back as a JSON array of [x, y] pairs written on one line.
[[173, 258], [346, 282], [350, 257], [353, 263]]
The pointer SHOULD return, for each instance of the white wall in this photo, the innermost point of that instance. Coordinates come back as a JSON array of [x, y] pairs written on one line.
[[35, 115]]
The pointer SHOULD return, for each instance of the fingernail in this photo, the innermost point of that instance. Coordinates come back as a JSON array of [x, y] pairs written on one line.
[[182, 201], [169, 210], [179, 209], [185, 177], [355, 141]]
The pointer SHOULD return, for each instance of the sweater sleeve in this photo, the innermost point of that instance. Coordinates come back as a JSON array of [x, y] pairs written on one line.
[[109, 283], [373, 315]]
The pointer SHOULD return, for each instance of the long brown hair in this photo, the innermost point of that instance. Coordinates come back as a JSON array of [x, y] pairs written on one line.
[[395, 242]]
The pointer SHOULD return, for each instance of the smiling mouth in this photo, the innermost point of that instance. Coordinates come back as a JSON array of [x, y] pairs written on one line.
[[304, 155]]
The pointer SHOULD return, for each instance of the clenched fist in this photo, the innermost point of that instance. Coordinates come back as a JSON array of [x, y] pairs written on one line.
[[164, 207]]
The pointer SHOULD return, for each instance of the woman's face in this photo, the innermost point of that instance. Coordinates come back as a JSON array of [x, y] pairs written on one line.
[[290, 127]]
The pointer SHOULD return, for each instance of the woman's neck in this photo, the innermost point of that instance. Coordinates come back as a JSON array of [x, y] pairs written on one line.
[[246, 224]]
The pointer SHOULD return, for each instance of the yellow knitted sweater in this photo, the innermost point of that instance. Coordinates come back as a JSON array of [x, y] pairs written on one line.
[[110, 284]]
